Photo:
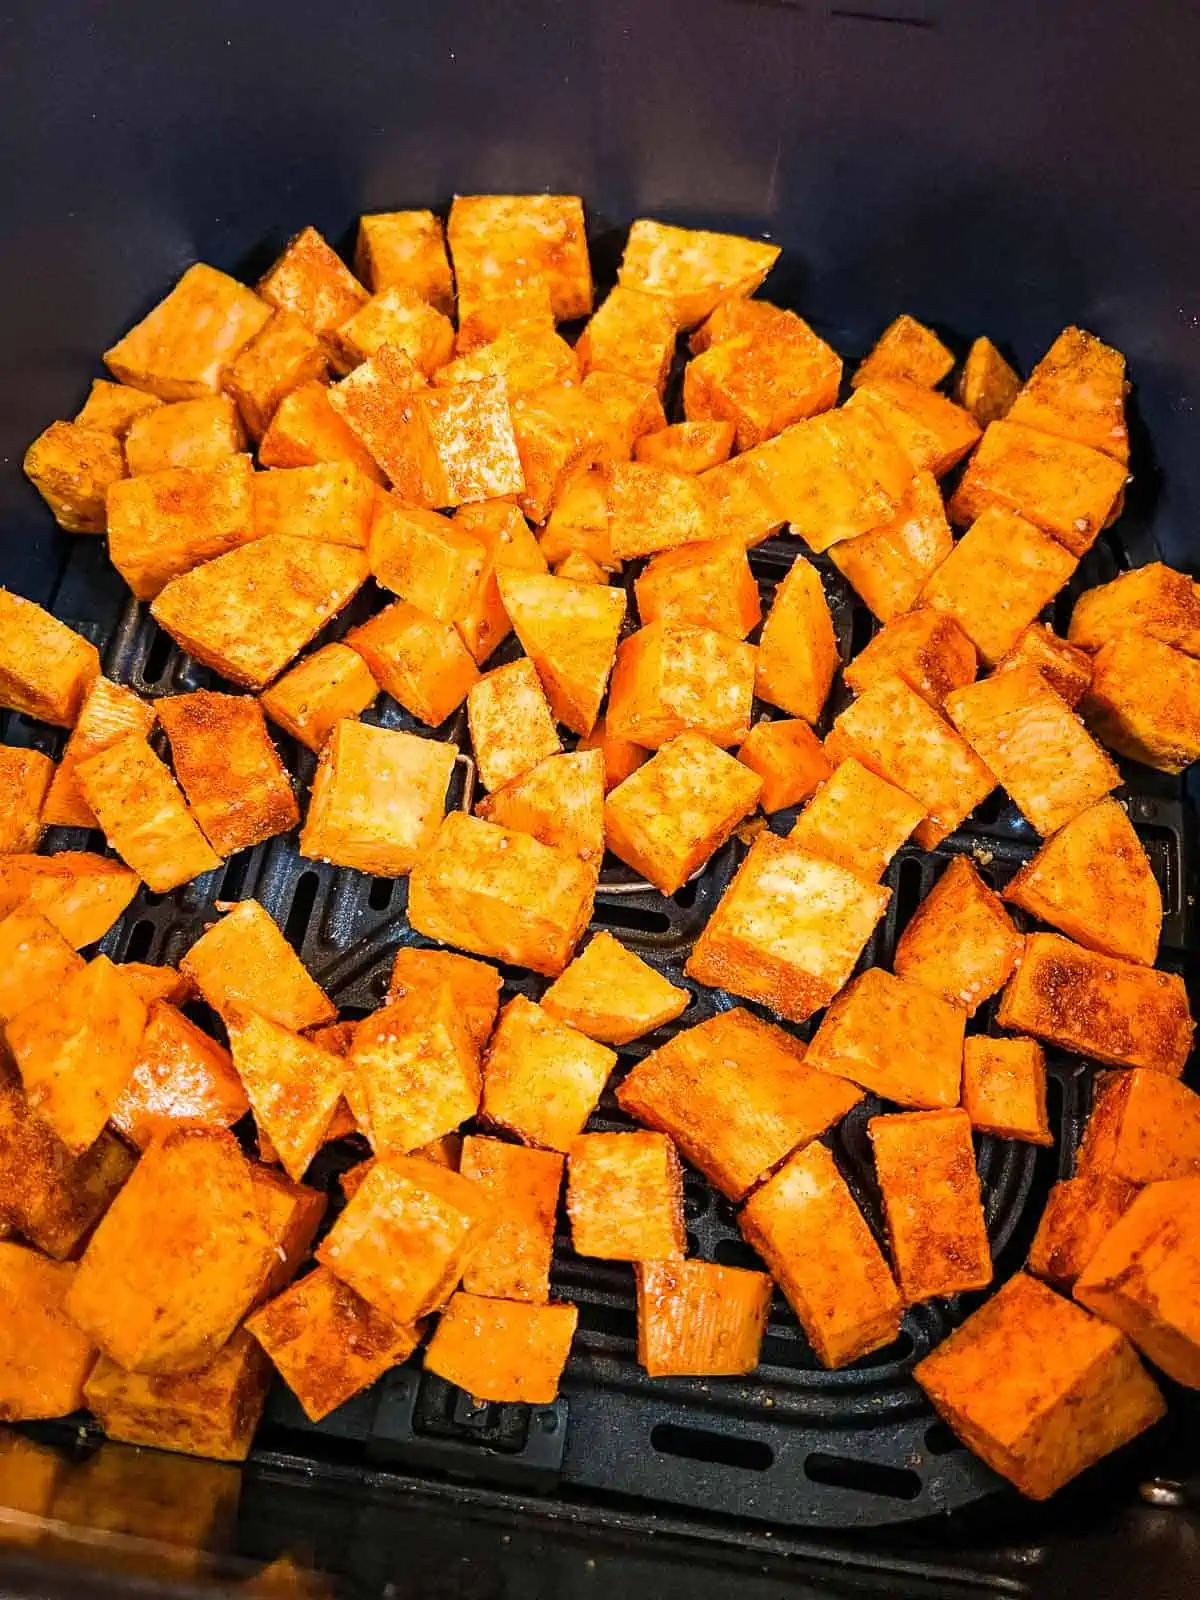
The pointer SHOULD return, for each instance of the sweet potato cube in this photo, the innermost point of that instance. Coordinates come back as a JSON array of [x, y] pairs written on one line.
[[405, 1236], [112, 407], [1067, 670], [899, 736], [165, 523], [558, 432], [1066, 489], [569, 631], [331, 502], [292, 1084], [999, 575], [244, 960], [376, 403], [731, 318], [788, 930], [632, 333], [502, 894], [306, 429], [541, 1079], [46, 668], [1078, 1215], [708, 585], [987, 385], [463, 444], [425, 558], [698, 1319], [378, 797], [687, 446], [1144, 1127], [73, 468], [933, 432], [1144, 702], [806, 1226], [560, 802], [857, 820], [35, 960], [527, 306], [181, 1075], [527, 357], [888, 566], [1153, 600], [510, 722], [652, 509], [109, 712], [788, 757], [625, 1197], [1077, 391], [419, 1066], [181, 350], [407, 248], [736, 1096], [332, 684], [742, 504], [144, 816], [611, 994], [960, 942], [44, 1358], [291, 1215], [1093, 881], [836, 476], [513, 1259], [762, 382], [187, 433], [905, 349], [311, 281], [692, 269], [671, 678], [925, 1164], [238, 788], [81, 895], [26, 777], [474, 985], [1114, 1011], [507, 541], [580, 569], [280, 358], [502, 1350], [502, 242], [421, 662], [669, 817], [621, 756], [621, 409], [1004, 1088], [251, 612], [327, 1342], [894, 1038], [177, 1259], [928, 649], [399, 317]]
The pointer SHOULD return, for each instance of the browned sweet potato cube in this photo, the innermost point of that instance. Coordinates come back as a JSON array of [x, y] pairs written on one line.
[[502, 1350], [502, 894], [736, 1096], [560, 802], [906, 349], [311, 281], [927, 649], [837, 475], [1093, 881], [652, 509], [960, 942], [507, 541], [165, 523], [425, 558], [687, 447], [245, 960], [707, 585], [580, 569], [332, 684], [692, 269], [521, 1185], [788, 757], [292, 1084], [399, 317], [501, 242], [762, 381], [249, 613], [900, 1041], [1144, 1127], [463, 444], [857, 819], [669, 817], [474, 985], [527, 306], [1004, 1088], [44, 1357], [178, 1258], [558, 429], [569, 631], [1078, 1215], [421, 662], [621, 409], [187, 433], [35, 960], [1077, 391], [238, 788], [1115, 1011], [181, 350], [625, 1197], [109, 712], [698, 1319], [72, 467], [731, 318], [113, 406], [510, 722], [797, 655], [306, 429], [419, 1066], [144, 816], [26, 777], [81, 895], [610, 994], [291, 1215], [631, 332], [1067, 670], [332, 502], [406, 248], [934, 433], [327, 1342], [1153, 600], [541, 1079], [181, 1075], [1144, 702], [673, 678], [621, 756], [376, 404], [888, 565], [527, 357], [804, 1223], [280, 358], [46, 668], [743, 505], [987, 385]]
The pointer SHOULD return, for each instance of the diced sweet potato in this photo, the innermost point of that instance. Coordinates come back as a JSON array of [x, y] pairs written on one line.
[[557, 429], [399, 317], [559, 802], [1144, 702], [625, 1197], [731, 318], [999, 575], [178, 1258], [46, 668], [144, 816], [26, 778], [292, 1084], [502, 1350], [306, 429], [1067, 670], [579, 521], [425, 558], [311, 281], [244, 960], [1077, 391], [836, 476], [580, 569], [934, 433], [291, 1215], [331, 502], [692, 269], [44, 1357], [113, 406], [1144, 1127], [464, 445], [541, 1079], [610, 994], [569, 631], [888, 565], [73, 468], [513, 1259], [687, 446], [900, 1041], [378, 797], [788, 757], [905, 349], [925, 1164], [507, 541], [421, 662], [510, 722], [927, 649], [762, 381], [668, 818], [707, 585], [527, 357], [698, 1319], [1115, 1011], [1093, 881], [1004, 1088], [164, 523], [419, 1066], [502, 894], [376, 404], [621, 756], [527, 306], [35, 960], [632, 333], [187, 433], [474, 985], [797, 655], [857, 819], [742, 502], [1153, 600], [319, 692], [652, 509], [960, 943], [806, 1226], [736, 1096], [1078, 1215], [987, 385], [406, 248], [671, 678], [181, 1075], [109, 712], [238, 788], [501, 242], [619, 409], [180, 351], [284, 355], [81, 895]]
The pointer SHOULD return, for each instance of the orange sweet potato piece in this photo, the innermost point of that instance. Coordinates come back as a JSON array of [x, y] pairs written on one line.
[[857, 820], [245, 960], [35, 960], [311, 281], [1153, 600], [421, 662], [686, 446], [698, 1319], [906, 349], [163, 524], [559, 802], [960, 942], [81, 895], [1067, 670], [181, 349], [541, 1079], [894, 1038], [611, 994], [291, 1215], [788, 757], [707, 585], [407, 248], [26, 779], [569, 631], [1079, 1214], [987, 385], [888, 565], [181, 1075], [933, 432], [521, 1185], [292, 1084], [306, 429], [237, 786], [672, 678], [506, 242], [73, 468], [926, 648], [1144, 702], [1077, 391], [330, 501], [282, 356], [502, 1350], [692, 269], [1004, 1088], [510, 722], [109, 712], [632, 333], [625, 1197], [474, 984], [315, 695], [46, 668], [419, 1068], [44, 1357]]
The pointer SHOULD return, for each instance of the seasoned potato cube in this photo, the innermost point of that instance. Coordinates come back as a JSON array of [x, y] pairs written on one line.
[[1034, 744], [280, 358], [406, 248], [510, 722], [906, 349], [622, 409], [463, 444], [1114, 1011], [691, 269], [894, 1038], [1039, 1388], [736, 1096], [541, 1079], [1004, 1088], [244, 960], [501, 894], [507, 542], [399, 317], [35, 960], [708, 585], [671, 678], [475, 985], [513, 1259], [857, 820], [960, 942], [898, 736], [579, 521], [526, 307], [1144, 1127], [111, 407], [580, 569], [153, 982], [1153, 600], [651, 509], [44, 1357], [788, 930], [743, 506], [806, 1226], [888, 566], [788, 757], [72, 468], [79, 894], [987, 385], [558, 433], [26, 779], [502, 1350], [178, 1258], [109, 712], [934, 433], [621, 756], [1066, 489], [291, 1215], [165, 523], [332, 684], [327, 1342], [926, 648], [999, 575], [332, 502], [144, 816], [502, 242], [1077, 391], [292, 1084], [669, 817], [625, 1197], [419, 1066], [569, 631], [731, 318], [1093, 881], [238, 788], [797, 655], [1144, 702], [306, 429], [1078, 1215], [187, 433], [376, 404], [687, 447], [763, 382], [925, 1164], [698, 1319], [632, 333], [1067, 670], [46, 668], [421, 662], [311, 281], [560, 802], [527, 357], [181, 350], [836, 476], [181, 1074], [425, 558], [610, 994]]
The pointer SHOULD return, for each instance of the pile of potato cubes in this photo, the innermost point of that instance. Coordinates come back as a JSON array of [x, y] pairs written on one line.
[[422, 423]]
